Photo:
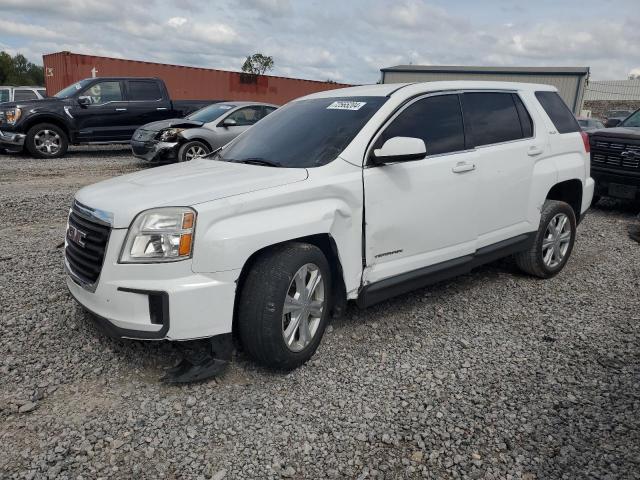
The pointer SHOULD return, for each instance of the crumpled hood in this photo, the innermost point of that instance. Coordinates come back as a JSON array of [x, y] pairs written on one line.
[[181, 184], [171, 122]]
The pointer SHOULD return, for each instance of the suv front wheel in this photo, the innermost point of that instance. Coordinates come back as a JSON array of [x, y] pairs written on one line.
[[46, 140], [284, 305], [553, 243]]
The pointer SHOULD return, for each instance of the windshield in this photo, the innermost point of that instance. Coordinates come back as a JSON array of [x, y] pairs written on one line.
[[304, 133], [71, 89], [210, 113], [632, 121], [583, 123]]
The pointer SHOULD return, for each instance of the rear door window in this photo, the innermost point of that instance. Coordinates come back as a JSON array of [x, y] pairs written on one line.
[[491, 117], [558, 112], [436, 120], [23, 94], [144, 90], [525, 119]]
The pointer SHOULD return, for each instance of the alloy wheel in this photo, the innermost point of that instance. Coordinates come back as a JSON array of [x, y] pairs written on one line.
[[47, 142], [194, 152], [556, 241], [303, 307]]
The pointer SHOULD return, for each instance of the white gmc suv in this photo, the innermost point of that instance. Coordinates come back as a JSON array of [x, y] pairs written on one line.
[[354, 194]]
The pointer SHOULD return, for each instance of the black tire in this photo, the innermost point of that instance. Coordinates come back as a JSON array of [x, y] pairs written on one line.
[[190, 147], [532, 261], [55, 150], [260, 312]]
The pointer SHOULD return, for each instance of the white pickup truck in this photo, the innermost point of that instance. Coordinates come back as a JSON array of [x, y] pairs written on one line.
[[354, 194]]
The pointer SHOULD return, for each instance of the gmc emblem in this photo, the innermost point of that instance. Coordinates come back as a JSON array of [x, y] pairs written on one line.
[[76, 235]]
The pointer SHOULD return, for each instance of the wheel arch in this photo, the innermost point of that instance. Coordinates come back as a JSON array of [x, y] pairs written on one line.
[[52, 119], [327, 244], [568, 191]]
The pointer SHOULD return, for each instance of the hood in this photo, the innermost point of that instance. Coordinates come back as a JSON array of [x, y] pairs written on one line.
[[181, 184], [171, 123], [618, 132], [41, 102]]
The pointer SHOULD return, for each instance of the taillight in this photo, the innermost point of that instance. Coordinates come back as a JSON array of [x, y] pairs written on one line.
[[585, 139]]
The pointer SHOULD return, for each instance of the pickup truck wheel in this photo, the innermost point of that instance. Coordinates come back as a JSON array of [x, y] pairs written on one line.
[[283, 308], [191, 150], [553, 243], [46, 140]]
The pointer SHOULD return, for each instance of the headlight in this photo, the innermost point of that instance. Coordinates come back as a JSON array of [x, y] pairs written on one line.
[[13, 115], [170, 134], [160, 235]]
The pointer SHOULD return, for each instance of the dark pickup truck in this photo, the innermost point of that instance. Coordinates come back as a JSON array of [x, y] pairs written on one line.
[[94, 110], [615, 159]]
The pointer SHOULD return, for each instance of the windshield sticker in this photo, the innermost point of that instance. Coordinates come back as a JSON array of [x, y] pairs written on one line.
[[225, 107], [78, 86], [344, 105]]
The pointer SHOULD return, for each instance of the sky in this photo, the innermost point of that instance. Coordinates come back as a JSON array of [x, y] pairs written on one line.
[[341, 40]]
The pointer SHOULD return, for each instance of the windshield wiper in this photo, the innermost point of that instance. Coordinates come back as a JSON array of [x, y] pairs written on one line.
[[212, 154], [258, 161]]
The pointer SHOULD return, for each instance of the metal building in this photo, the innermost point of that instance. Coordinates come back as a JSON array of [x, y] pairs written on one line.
[[570, 81], [184, 83]]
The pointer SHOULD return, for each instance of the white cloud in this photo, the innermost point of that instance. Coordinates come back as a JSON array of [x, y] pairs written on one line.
[[176, 21]]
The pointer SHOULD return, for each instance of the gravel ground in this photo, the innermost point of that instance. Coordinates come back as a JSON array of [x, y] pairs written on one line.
[[491, 375]]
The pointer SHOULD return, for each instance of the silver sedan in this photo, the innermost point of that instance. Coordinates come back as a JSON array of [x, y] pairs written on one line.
[[182, 139]]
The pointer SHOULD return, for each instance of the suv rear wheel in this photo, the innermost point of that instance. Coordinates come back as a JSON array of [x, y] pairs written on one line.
[[553, 243], [46, 140], [284, 305]]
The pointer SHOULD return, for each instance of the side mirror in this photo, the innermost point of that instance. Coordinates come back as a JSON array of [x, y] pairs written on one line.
[[399, 149], [84, 101], [229, 122], [612, 122]]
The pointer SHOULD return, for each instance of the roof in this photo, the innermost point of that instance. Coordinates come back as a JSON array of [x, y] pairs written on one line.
[[613, 90], [388, 89], [474, 69]]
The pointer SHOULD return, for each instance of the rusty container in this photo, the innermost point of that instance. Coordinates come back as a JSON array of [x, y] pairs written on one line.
[[184, 83]]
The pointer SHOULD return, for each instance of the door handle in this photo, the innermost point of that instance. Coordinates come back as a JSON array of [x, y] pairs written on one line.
[[121, 109], [534, 150], [161, 108], [462, 167]]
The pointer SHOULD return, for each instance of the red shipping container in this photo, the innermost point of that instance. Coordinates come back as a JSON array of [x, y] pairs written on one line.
[[184, 83]]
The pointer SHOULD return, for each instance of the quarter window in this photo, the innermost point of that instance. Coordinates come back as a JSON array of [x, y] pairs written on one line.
[[142, 90], [436, 120], [558, 112], [491, 117], [4, 95]]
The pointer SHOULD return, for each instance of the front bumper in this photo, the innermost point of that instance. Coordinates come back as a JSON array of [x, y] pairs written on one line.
[[154, 150], [158, 301], [606, 178], [12, 139]]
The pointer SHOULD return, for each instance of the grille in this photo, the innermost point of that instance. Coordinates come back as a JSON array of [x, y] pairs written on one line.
[[615, 155], [85, 247]]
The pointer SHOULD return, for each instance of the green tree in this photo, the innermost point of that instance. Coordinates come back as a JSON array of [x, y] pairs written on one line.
[[19, 71], [257, 64]]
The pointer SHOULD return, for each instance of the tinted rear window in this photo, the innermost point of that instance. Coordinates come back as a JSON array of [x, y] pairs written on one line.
[[558, 112], [491, 117], [19, 95], [144, 90]]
